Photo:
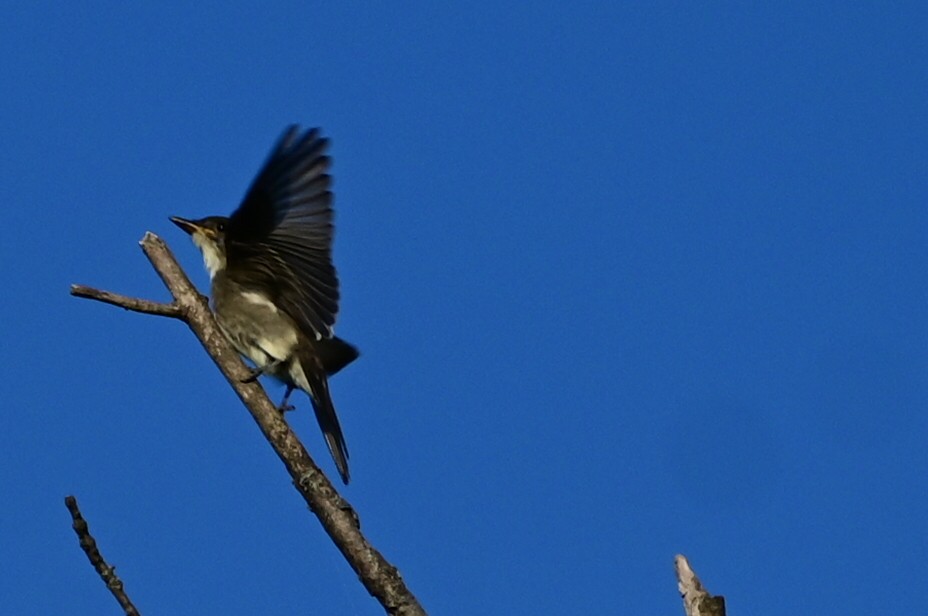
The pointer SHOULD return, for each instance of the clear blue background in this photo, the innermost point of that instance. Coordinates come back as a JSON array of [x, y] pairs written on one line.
[[628, 280]]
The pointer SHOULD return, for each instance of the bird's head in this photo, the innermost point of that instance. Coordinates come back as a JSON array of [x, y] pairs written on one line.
[[209, 236]]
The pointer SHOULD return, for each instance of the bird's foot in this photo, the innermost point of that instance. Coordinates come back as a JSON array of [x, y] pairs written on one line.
[[285, 403]]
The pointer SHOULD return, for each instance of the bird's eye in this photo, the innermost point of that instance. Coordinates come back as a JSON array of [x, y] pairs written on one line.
[[222, 226]]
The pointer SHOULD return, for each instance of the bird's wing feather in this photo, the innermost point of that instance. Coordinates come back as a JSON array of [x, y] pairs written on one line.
[[279, 240]]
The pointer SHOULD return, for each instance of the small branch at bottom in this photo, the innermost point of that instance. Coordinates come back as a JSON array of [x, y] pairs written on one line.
[[89, 545], [696, 599]]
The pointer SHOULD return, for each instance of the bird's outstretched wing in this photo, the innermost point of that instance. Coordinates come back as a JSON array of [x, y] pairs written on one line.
[[279, 240]]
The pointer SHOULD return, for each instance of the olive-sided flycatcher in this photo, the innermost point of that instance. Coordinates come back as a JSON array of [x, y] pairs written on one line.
[[274, 287]]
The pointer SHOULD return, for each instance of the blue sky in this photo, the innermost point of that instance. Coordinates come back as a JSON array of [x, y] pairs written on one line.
[[628, 281]]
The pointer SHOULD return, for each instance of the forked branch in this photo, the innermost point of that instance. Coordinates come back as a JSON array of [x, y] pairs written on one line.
[[338, 519]]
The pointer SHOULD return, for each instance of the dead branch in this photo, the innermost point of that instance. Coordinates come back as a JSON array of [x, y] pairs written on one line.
[[129, 303], [380, 578], [696, 599], [89, 545]]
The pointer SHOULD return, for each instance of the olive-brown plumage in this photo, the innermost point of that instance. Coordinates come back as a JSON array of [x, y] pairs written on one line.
[[274, 288]]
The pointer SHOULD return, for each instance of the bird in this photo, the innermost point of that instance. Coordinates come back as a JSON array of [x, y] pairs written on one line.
[[273, 286]]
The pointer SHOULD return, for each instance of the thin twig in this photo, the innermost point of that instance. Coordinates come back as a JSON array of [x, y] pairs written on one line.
[[89, 545], [696, 599], [380, 578], [129, 303]]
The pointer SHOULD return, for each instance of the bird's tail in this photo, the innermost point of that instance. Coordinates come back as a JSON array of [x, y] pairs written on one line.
[[310, 375]]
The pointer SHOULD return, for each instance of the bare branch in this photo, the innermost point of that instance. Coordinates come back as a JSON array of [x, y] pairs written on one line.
[[129, 303], [696, 599], [89, 545], [338, 518]]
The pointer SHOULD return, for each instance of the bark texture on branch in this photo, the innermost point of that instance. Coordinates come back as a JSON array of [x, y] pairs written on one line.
[[106, 572], [129, 303], [696, 599], [338, 519]]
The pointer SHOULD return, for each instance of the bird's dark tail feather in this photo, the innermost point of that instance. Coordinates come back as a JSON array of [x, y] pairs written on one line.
[[335, 354], [313, 367]]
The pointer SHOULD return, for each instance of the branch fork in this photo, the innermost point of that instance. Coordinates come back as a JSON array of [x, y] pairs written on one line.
[[337, 517]]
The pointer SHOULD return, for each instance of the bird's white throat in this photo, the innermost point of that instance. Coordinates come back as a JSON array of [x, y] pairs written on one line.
[[214, 259]]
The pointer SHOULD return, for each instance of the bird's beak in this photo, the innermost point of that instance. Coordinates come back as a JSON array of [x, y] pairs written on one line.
[[187, 225]]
